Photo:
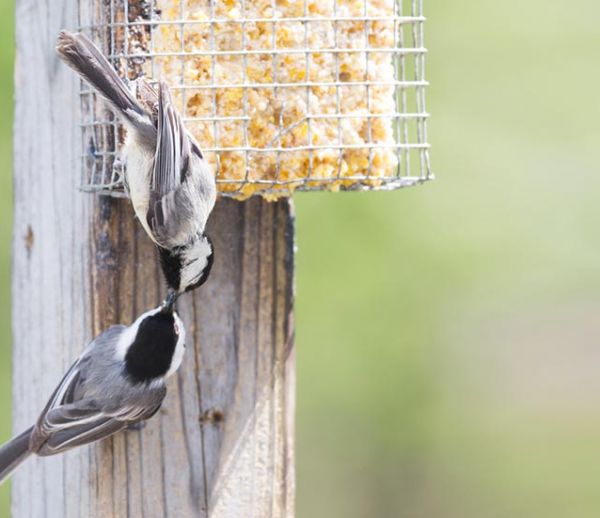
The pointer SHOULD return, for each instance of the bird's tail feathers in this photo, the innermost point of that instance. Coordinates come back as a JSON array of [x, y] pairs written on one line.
[[78, 51], [13, 453]]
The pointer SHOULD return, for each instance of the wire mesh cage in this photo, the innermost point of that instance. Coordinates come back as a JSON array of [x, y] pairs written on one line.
[[282, 95]]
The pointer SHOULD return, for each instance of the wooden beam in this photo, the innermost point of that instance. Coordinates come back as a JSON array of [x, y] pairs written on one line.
[[222, 446]]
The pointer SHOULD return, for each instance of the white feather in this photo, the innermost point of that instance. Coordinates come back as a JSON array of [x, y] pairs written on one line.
[[194, 261], [179, 348], [128, 336], [139, 160]]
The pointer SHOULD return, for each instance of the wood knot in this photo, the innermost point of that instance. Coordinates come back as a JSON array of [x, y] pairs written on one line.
[[28, 240], [212, 415]]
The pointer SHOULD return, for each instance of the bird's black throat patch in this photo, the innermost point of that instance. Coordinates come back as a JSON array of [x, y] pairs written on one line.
[[171, 262], [151, 353]]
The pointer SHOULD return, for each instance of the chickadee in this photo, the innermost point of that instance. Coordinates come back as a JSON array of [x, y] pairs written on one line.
[[118, 381], [171, 186]]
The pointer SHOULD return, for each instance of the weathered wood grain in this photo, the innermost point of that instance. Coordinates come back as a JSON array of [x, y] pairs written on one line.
[[222, 446]]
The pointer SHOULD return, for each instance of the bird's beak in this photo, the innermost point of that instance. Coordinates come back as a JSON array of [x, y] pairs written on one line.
[[168, 305]]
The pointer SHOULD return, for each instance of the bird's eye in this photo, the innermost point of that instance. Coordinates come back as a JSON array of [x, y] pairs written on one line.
[[176, 329]]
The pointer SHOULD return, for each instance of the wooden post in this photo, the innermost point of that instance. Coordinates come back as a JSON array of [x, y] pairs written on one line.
[[222, 446]]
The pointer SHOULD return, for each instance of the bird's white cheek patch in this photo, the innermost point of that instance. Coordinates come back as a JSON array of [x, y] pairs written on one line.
[[124, 342]]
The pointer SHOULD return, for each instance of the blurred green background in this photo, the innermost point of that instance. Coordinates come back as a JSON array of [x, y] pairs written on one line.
[[6, 108], [447, 335]]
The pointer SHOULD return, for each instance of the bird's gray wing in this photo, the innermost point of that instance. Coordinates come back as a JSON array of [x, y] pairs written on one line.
[[86, 421], [69, 414], [171, 207], [68, 390], [172, 147]]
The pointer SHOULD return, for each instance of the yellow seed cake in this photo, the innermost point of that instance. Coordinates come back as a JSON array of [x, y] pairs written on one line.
[[270, 146]]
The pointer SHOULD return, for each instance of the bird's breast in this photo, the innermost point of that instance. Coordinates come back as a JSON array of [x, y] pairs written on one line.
[[139, 167]]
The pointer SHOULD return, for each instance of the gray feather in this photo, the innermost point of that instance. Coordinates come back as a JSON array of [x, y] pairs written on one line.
[[63, 440], [183, 186], [78, 51], [13, 453], [172, 157]]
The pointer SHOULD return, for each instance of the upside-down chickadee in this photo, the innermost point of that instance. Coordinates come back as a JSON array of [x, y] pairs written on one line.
[[118, 381], [171, 185]]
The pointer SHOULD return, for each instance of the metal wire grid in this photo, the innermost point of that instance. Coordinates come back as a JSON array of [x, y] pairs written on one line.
[[126, 31]]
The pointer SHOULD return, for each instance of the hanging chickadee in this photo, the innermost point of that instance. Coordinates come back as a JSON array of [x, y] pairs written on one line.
[[171, 186], [118, 381]]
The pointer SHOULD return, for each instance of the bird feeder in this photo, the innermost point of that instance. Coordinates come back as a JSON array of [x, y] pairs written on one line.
[[283, 96]]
